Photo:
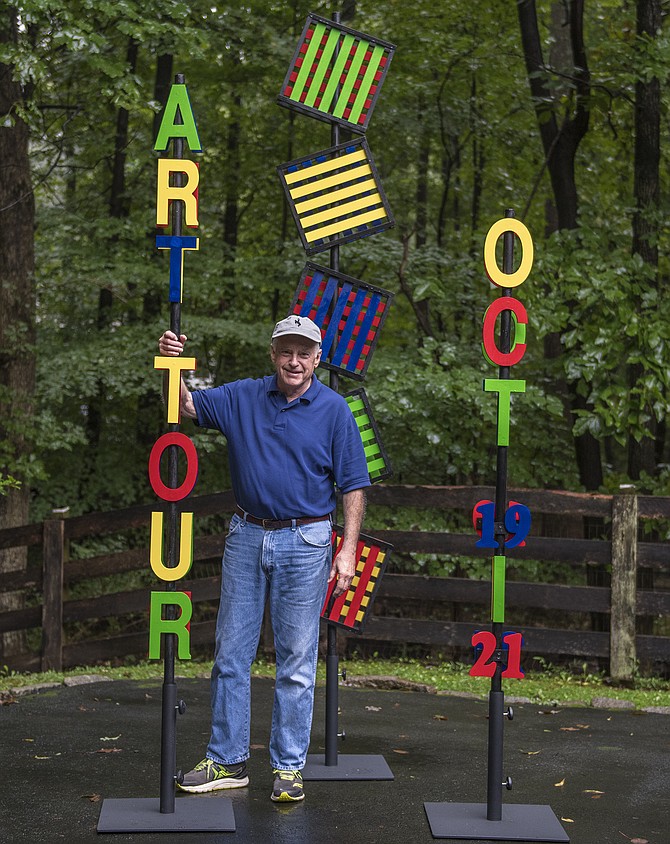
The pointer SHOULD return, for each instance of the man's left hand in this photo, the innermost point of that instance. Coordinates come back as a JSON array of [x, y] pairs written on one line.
[[343, 568]]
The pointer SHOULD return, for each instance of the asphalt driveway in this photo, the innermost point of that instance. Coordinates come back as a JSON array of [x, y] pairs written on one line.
[[604, 775]]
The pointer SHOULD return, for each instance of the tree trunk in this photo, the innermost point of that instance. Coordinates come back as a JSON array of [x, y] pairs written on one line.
[[560, 141], [17, 317], [231, 212], [119, 201], [422, 167], [646, 186], [119, 208], [478, 159]]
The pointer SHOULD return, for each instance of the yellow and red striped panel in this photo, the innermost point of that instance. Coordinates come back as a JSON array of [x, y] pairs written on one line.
[[335, 196]]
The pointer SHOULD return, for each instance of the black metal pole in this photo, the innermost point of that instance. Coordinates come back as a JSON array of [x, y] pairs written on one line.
[[169, 693], [496, 696], [332, 659]]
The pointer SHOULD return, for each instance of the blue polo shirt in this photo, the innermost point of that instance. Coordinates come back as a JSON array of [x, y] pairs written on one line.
[[285, 458]]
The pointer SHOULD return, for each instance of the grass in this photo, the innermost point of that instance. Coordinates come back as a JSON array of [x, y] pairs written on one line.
[[545, 685]]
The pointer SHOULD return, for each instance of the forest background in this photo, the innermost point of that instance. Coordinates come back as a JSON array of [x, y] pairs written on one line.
[[557, 110]]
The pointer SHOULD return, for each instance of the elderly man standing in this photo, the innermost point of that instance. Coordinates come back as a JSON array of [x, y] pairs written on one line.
[[291, 442]]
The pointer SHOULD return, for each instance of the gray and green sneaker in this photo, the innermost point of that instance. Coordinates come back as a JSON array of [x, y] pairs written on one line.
[[287, 786], [210, 776]]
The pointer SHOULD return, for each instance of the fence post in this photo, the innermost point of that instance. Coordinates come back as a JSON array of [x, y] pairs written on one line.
[[53, 558], [624, 584]]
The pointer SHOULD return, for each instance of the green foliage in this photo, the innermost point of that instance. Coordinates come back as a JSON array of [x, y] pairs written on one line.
[[620, 317], [7, 482], [456, 98]]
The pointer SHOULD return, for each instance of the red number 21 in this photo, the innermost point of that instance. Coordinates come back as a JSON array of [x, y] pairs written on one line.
[[485, 667]]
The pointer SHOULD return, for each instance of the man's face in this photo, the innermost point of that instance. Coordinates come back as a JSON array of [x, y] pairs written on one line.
[[295, 358]]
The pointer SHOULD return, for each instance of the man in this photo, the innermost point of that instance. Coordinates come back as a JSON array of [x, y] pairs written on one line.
[[291, 440]]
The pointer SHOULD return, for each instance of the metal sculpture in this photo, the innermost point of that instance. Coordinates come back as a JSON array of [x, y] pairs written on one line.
[[171, 609], [502, 525], [336, 197]]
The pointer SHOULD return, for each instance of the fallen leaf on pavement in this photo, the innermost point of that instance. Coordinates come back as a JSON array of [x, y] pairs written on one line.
[[403, 752], [440, 717], [530, 752], [560, 784], [373, 708], [567, 820], [94, 798]]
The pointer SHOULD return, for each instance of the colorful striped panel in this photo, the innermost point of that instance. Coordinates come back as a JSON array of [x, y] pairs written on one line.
[[351, 609], [336, 74], [379, 465], [349, 313], [335, 196]]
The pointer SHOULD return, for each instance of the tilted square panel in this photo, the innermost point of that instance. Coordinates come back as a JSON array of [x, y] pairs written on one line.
[[349, 313], [335, 196], [379, 465], [351, 609], [336, 74]]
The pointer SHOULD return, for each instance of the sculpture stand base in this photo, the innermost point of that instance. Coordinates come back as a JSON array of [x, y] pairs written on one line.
[[518, 823], [191, 814], [349, 767]]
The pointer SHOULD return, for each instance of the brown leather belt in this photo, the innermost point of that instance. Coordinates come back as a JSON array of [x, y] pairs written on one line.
[[276, 524]]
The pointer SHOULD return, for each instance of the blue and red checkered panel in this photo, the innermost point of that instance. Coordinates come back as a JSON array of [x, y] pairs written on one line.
[[349, 313]]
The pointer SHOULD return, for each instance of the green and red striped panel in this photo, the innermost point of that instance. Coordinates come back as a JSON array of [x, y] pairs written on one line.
[[336, 73], [379, 465]]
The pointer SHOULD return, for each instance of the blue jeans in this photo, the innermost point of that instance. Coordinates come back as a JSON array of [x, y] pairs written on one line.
[[291, 566]]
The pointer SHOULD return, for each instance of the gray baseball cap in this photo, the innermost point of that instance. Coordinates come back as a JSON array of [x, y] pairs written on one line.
[[300, 325]]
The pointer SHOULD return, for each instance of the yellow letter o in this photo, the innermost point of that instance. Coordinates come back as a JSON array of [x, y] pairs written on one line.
[[497, 276]]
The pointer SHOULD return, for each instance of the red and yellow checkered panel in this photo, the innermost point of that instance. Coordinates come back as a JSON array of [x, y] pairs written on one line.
[[336, 74], [349, 314], [335, 196], [350, 610]]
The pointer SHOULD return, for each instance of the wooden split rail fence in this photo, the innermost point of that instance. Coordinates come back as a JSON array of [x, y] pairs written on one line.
[[620, 551]]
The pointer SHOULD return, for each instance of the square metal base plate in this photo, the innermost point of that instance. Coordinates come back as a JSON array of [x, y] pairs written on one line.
[[191, 814], [349, 767], [518, 823]]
